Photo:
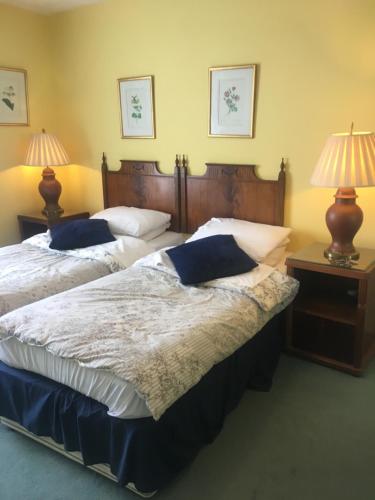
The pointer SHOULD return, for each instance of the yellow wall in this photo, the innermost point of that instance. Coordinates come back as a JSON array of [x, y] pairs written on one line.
[[316, 75], [25, 42], [22, 45]]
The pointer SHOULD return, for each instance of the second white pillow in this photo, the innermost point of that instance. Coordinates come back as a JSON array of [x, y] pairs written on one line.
[[257, 240]]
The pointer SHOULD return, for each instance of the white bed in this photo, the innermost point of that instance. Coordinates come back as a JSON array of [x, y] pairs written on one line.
[[31, 271], [117, 394], [120, 396]]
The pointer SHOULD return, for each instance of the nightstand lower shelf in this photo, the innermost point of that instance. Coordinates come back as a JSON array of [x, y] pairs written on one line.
[[332, 320], [323, 339], [331, 310]]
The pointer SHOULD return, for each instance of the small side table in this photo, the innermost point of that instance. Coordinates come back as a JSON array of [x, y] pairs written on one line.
[[37, 223], [332, 320]]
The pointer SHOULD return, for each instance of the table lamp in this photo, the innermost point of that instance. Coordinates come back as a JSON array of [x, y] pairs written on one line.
[[45, 150], [347, 161]]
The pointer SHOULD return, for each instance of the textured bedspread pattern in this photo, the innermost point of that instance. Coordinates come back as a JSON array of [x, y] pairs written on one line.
[[32, 271], [28, 274], [148, 329]]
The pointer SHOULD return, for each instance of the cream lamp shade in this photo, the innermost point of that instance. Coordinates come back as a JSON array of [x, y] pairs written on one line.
[[45, 150], [347, 161]]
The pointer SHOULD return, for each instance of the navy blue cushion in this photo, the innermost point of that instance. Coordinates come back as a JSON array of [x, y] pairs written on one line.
[[80, 233], [210, 258]]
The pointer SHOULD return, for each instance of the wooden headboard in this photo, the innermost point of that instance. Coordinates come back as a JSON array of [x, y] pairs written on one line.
[[227, 190], [141, 184]]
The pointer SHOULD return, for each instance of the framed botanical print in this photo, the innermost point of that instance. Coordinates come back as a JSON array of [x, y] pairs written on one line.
[[232, 92], [137, 107], [13, 97]]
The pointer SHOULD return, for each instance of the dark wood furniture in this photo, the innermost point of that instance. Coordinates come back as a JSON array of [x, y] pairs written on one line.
[[137, 183], [332, 320], [228, 190], [141, 184], [225, 190], [32, 224]]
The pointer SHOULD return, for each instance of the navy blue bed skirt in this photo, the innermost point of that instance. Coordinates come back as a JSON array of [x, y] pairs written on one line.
[[142, 451]]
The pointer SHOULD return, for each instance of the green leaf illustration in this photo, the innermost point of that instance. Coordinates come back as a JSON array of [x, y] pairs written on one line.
[[8, 103]]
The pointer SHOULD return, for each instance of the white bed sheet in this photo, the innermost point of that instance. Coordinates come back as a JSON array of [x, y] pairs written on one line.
[[168, 239], [115, 393]]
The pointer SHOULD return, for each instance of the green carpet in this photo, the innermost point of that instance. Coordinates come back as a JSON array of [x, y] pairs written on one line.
[[311, 438]]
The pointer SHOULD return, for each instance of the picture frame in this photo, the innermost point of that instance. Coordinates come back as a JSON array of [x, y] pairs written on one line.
[[232, 97], [137, 107], [13, 97]]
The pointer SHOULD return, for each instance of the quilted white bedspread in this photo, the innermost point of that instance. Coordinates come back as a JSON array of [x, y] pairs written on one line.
[[146, 328]]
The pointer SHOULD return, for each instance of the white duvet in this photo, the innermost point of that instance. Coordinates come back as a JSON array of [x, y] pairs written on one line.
[[32, 271], [144, 327]]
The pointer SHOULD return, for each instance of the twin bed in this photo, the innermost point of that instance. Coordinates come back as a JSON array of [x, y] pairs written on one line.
[[133, 373], [31, 271]]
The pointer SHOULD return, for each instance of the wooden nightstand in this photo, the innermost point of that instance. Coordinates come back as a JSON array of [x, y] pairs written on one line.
[[37, 223], [332, 320]]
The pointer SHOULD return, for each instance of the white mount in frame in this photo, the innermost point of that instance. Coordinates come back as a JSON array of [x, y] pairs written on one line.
[[232, 93], [13, 97], [137, 107]]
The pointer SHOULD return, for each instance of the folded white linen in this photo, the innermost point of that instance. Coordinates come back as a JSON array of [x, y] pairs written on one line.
[[160, 260], [254, 284]]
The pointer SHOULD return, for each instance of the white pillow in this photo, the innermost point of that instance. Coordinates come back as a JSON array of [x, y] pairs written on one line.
[[257, 240], [275, 256], [151, 235], [132, 221]]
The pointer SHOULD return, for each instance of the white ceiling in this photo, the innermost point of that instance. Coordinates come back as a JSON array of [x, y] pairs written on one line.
[[48, 6]]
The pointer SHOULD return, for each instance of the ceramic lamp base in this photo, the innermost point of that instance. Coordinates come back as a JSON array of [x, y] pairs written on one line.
[[50, 190], [343, 218]]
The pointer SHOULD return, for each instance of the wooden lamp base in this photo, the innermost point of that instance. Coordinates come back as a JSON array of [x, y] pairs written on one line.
[[343, 218], [50, 190]]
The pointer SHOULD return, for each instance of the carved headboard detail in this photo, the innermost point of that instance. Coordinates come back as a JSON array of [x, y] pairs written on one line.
[[141, 184], [227, 190]]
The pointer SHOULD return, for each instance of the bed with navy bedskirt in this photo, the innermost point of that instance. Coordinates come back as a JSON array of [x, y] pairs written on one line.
[[143, 451]]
